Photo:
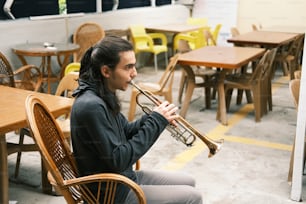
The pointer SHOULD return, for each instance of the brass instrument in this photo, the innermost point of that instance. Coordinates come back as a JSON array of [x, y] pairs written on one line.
[[182, 130]]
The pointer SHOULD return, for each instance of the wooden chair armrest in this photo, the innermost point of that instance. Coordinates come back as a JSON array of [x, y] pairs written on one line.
[[27, 67]]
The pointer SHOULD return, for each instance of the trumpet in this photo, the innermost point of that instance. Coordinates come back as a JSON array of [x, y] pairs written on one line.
[[182, 130]]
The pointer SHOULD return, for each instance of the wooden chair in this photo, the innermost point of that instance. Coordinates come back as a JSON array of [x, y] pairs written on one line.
[[26, 77], [72, 67], [215, 34], [155, 43], [162, 88], [290, 59], [255, 27], [234, 32], [194, 39], [207, 75], [257, 82], [65, 87], [61, 165], [86, 35], [294, 88]]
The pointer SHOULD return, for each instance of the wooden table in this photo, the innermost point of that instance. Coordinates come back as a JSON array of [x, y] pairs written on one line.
[[266, 39], [174, 28], [46, 51], [286, 29], [12, 111], [226, 58]]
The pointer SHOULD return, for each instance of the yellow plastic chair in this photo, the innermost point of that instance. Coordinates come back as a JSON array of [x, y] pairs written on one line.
[[72, 67], [195, 39], [147, 42], [215, 33]]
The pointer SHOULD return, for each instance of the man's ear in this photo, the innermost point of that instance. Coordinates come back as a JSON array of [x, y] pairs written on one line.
[[105, 71]]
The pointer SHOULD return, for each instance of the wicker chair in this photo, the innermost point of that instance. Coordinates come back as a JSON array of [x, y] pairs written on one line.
[[26, 77], [67, 84], [61, 165], [86, 35]]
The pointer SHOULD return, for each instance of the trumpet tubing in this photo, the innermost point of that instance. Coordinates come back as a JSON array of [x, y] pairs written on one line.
[[182, 131]]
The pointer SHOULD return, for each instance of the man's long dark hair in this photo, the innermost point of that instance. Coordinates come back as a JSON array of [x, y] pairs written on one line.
[[105, 52]]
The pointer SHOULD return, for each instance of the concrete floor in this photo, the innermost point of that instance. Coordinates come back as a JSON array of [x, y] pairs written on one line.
[[252, 166]]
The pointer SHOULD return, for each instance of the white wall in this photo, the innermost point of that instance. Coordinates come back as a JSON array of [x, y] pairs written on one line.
[[270, 12], [243, 13], [218, 12]]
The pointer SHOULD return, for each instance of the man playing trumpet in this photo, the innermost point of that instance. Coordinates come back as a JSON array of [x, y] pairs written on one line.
[[105, 141]]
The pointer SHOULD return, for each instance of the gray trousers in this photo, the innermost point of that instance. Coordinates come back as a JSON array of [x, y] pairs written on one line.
[[166, 188]]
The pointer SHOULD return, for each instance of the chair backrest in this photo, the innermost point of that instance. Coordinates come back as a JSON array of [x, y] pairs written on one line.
[[294, 87], [53, 147], [67, 84], [216, 31], [140, 38], [166, 80], [197, 21], [254, 27], [86, 35], [209, 38], [6, 72], [296, 47], [234, 32], [61, 164], [267, 70], [263, 69]]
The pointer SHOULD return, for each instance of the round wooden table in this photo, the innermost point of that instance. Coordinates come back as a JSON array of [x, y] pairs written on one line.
[[46, 50]]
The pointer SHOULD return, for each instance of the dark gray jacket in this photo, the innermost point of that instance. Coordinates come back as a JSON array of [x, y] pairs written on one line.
[[103, 142]]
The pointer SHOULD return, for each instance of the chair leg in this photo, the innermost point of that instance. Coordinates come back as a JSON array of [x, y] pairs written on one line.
[[132, 109], [23, 132], [228, 97], [257, 104], [166, 58], [182, 86], [155, 62], [207, 91]]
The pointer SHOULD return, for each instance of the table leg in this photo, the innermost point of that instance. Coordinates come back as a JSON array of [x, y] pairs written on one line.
[[189, 90], [49, 69], [46, 186], [63, 63], [221, 112], [4, 184]]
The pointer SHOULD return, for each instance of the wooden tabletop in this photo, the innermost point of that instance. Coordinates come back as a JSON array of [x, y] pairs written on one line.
[[12, 107], [220, 56], [286, 29], [263, 38], [226, 58], [44, 48], [174, 28], [13, 117]]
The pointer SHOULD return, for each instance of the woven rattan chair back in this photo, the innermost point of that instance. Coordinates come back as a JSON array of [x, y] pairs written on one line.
[[61, 164], [86, 35], [6, 72], [29, 76]]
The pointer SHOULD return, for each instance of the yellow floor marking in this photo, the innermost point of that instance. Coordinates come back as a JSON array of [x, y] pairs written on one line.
[[217, 133]]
